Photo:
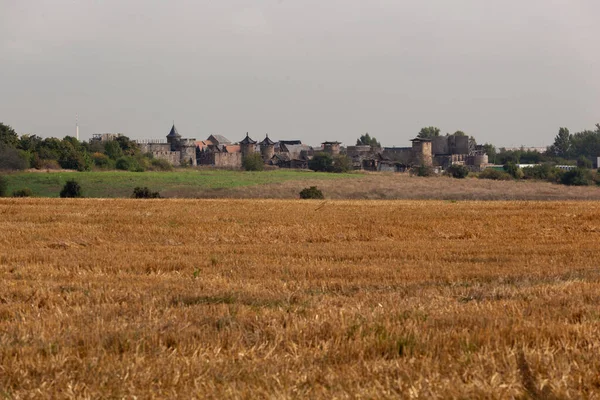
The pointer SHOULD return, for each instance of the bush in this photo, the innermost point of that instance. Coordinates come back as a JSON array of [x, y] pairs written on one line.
[[253, 162], [144, 193], [321, 162], [48, 164], [71, 189], [3, 186], [543, 172], [513, 170], [13, 159], [311, 193], [425, 170], [457, 171], [577, 177], [158, 164], [123, 163], [584, 162], [25, 192], [101, 160], [342, 163], [495, 175]]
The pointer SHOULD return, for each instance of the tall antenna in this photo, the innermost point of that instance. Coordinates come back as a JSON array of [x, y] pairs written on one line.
[[77, 126]]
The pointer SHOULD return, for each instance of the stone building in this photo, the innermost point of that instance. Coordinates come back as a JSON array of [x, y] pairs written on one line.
[[267, 149], [332, 148], [248, 146], [176, 150]]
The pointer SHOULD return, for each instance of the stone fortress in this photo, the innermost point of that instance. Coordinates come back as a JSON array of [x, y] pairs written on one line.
[[218, 151]]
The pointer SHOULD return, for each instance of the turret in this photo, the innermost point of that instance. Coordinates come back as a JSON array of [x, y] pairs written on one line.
[[173, 137], [267, 148], [247, 146]]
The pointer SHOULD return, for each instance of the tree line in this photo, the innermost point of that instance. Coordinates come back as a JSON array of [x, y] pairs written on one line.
[[31, 151]]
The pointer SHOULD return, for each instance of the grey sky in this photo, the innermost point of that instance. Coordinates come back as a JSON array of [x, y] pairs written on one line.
[[509, 72]]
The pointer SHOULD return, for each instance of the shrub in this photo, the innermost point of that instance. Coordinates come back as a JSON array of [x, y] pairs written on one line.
[[513, 170], [101, 160], [144, 193], [342, 163], [458, 171], [425, 170], [311, 193], [495, 175], [321, 162], [13, 159], [576, 177], [123, 163], [71, 189], [49, 164], [25, 192], [253, 162], [158, 164], [584, 162], [3, 186], [545, 172]]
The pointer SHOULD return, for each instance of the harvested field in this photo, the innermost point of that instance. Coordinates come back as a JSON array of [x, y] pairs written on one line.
[[286, 299]]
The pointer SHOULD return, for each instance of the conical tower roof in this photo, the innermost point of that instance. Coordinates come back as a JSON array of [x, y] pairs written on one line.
[[267, 141], [247, 140], [173, 133]]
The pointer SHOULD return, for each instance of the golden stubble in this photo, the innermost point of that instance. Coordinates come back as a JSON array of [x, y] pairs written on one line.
[[285, 299]]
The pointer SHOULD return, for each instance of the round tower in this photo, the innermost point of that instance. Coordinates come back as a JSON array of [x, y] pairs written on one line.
[[267, 148], [247, 146], [173, 137]]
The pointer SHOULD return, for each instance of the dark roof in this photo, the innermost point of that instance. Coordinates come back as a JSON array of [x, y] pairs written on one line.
[[418, 139], [331, 143], [247, 140], [173, 132], [267, 142], [220, 138], [290, 141]]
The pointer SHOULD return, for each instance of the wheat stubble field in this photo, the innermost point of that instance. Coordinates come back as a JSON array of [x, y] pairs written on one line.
[[299, 299]]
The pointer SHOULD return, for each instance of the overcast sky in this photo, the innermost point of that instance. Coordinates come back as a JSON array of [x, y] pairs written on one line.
[[510, 72]]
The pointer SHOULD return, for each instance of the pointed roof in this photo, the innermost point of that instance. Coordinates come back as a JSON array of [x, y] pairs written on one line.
[[247, 140], [173, 133], [267, 141]]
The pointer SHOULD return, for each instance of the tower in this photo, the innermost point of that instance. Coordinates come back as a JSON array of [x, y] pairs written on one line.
[[173, 138], [332, 148], [267, 148], [421, 152], [247, 146]]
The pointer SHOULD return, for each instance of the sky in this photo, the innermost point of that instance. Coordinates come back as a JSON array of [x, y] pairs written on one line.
[[508, 72]]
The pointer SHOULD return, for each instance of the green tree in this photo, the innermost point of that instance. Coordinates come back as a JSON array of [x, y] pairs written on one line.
[[129, 147], [322, 162], [429, 132], [8, 136], [367, 140], [253, 162], [562, 144], [459, 133], [113, 150], [342, 163]]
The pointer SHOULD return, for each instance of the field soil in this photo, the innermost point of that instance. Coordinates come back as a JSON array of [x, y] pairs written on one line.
[[299, 299]]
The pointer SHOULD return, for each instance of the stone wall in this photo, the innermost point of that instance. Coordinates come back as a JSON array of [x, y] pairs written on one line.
[[174, 157], [222, 160], [399, 154]]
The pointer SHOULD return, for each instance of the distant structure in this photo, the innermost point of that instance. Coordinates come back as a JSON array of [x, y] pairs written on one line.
[[176, 150], [247, 146], [332, 148], [104, 137], [441, 151], [267, 149]]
